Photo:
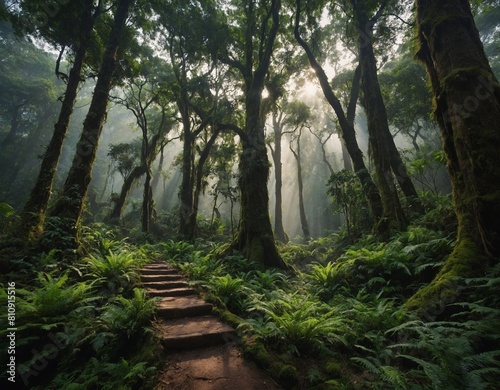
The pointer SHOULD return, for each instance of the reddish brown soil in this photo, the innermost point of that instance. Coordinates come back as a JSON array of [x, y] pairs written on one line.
[[213, 368]]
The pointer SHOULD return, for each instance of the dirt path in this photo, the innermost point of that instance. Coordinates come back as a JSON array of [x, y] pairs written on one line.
[[201, 350], [213, 368]]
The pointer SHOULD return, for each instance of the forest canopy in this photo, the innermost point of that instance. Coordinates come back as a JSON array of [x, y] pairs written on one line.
[[340, 158]]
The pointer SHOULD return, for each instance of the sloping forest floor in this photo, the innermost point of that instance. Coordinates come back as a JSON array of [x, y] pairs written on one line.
[[203, 352], [335, 320]]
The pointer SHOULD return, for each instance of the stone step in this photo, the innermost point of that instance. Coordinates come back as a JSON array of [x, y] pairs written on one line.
[[182, 306], [158, 266], [194, 332], [165, 285], [158, 271], [173, 292], [161, 278]]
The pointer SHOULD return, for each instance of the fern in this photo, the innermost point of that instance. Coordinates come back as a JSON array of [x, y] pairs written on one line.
[[114, 270], [264, 281], [232, 291], [129, 316], [52, 300], [299, 324]]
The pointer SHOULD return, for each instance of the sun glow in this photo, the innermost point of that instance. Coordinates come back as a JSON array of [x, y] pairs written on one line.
[[310, 89]]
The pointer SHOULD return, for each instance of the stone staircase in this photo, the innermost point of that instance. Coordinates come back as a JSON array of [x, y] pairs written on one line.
[[184, 320]]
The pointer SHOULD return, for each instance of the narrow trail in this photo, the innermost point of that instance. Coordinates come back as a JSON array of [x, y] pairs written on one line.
[[201, 350]]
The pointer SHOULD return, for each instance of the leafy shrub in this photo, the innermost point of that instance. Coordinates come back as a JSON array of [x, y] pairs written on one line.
[[348, 199], [297, 324], [129, 316], [176, 251], [51, 302], [199, 267], [323, 276], [97, 374], [116, 271], [265, 281], [398, 267], [462, 352], [230, 290]]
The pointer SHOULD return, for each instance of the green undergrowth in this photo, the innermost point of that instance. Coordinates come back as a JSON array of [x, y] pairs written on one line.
[[86, 325], [338, 321]]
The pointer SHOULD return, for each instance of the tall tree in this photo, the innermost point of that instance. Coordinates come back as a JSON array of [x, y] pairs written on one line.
[[277, 103], [378, 127], [126, 159], [70, 204], [347, 128], [300, 115], [195, 87], [249, 52], [467, 108], [347, 85], [222, 161], [145, 95], [277, 118], [61, 31], [387, 159]]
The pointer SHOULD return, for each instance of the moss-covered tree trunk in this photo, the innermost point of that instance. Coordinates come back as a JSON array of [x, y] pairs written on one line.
[[379, 136], [70, 205], [467, 108], [33, 214], [255, 237]]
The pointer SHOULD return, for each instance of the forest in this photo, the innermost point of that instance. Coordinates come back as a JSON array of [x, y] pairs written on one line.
[[325, 174]]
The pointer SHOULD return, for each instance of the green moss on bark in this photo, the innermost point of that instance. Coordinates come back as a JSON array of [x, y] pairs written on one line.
[[465, 261]]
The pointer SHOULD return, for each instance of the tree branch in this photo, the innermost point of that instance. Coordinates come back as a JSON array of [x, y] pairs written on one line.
[[265, 61], [60, 74], [353, 98], [233, 63], [232, 127]]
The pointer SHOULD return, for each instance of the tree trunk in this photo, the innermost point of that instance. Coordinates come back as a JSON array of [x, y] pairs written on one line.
[[467, 108], [403, 177], [14, 124], [33, 214], [346, 158], [379, 136], [347, 129], [255, 237], [70, 205], [279, 231], [323, 150], [302, 210], [147, 203], [192, 219], [157, 175], [187, 184], [384, 147], [134, 175]]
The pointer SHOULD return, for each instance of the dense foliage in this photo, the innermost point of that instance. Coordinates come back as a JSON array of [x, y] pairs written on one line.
[[340, 322], [88, 325], [325, 173]]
